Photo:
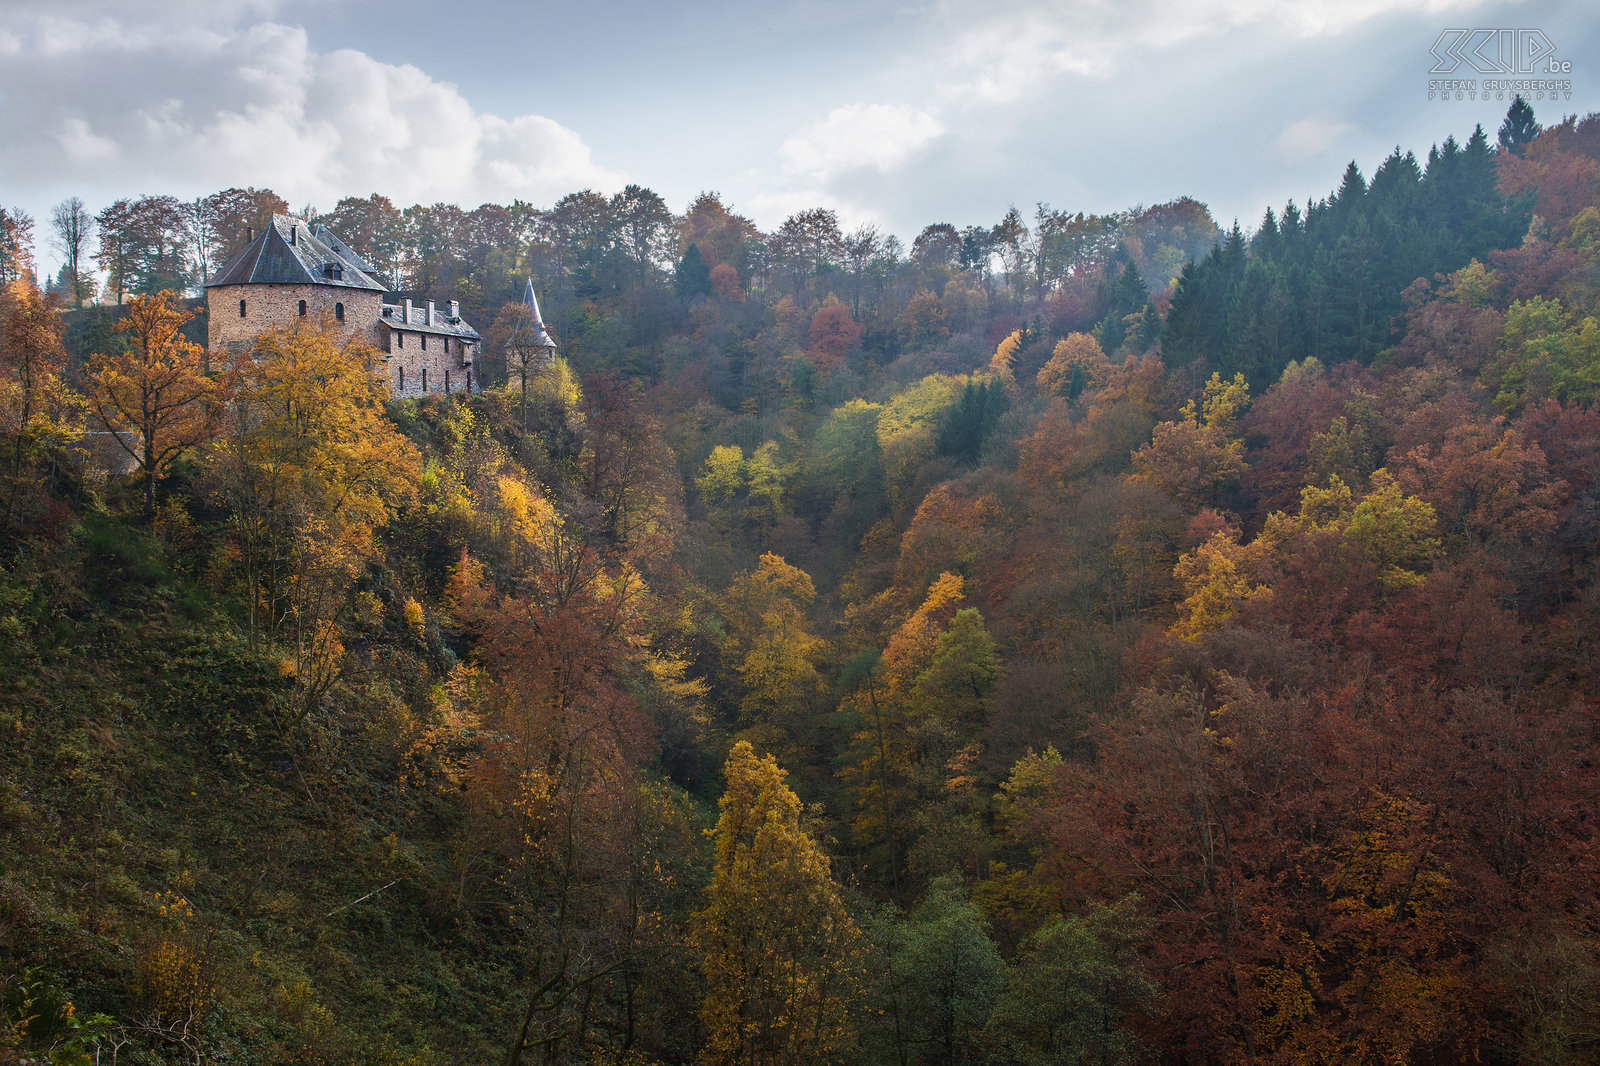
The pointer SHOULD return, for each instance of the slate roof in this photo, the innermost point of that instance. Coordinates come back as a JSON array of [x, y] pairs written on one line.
[[541, 336], [394, 316], [289, 252]]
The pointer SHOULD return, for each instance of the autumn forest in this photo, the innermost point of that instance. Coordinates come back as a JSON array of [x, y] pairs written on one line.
[[1099, 639]]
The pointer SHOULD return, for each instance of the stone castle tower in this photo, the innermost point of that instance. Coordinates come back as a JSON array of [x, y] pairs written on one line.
[[295, 270]]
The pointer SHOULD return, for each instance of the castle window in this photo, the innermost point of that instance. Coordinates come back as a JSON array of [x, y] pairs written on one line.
[[424, 379], [447, 346], [424, 342], [241, 308], [447, 382], [469, 381], [402, 379], [302, 309], [338, 312], [399, 340]]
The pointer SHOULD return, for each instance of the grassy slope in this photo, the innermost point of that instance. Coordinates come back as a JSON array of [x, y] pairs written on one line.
[[140, 760]]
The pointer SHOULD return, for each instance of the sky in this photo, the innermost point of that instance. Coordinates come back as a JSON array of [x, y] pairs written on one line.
[[899, 113]]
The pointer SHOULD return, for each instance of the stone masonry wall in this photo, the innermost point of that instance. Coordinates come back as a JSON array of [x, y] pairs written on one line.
[[273, 305], [406, 364]]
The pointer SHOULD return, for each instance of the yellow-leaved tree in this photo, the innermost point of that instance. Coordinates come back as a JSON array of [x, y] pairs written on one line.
[[310, 469], [1198, 456], [779, 950], [1076, 363], [776, 653]]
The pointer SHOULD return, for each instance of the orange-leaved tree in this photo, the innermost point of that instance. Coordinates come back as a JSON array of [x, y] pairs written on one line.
[[157, 398], [36, 408], [31, 359]]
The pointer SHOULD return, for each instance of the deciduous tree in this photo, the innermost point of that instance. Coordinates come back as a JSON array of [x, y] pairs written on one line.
[[779, 950], [71, 224], [157, 397]]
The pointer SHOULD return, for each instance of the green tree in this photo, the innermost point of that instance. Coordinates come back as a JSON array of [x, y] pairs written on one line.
[[946, 973], [1519, 128], [1071, 991], [692, 277], [964, 667]]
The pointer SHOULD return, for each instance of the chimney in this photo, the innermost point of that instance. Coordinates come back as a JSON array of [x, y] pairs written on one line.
[[407, 319], [455, 310], [431, 314]]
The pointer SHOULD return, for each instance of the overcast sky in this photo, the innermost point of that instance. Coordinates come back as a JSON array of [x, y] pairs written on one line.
[[899, 113]]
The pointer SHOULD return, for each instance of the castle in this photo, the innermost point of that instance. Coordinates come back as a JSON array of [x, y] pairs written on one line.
[[295, 269]]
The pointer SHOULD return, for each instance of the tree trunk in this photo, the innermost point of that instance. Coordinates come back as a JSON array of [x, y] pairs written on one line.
[[149, 477]]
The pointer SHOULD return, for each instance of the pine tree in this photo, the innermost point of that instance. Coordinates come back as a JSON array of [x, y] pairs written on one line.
[[1519, 128], [692, 277]]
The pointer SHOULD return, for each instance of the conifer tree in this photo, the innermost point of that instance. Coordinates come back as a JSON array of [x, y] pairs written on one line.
[[1519, 128]]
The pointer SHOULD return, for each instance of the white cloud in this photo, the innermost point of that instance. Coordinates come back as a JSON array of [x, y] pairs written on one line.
[[1311, 136], [860, 136], [189, 109], [84, 145], [999, 56]]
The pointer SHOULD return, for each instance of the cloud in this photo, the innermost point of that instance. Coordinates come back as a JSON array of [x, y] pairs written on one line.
[[1312, 136], [191, 107], [84, 145], [995, 56], [860, 136]]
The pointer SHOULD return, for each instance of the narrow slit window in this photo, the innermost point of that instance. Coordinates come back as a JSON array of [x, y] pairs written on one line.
[[424, 379], [424, 342], [338, 311], [399, 340], [241, 308], [402, 379], [469, 381], [302, 309], [447, 382]]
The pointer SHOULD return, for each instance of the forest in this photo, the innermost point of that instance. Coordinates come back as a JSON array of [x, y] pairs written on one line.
[[1099, 639]]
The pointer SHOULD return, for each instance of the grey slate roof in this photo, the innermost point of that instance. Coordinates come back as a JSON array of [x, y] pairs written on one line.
[[541, 336], [394, 316], [288, 252]]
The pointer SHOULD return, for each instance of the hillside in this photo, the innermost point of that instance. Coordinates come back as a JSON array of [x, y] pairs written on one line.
[[1088, 638]]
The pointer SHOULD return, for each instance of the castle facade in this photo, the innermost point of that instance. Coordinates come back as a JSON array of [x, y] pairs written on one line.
[[295, 270]]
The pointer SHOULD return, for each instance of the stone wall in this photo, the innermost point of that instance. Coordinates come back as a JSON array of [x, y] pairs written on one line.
[[274, 305], [407, 362]]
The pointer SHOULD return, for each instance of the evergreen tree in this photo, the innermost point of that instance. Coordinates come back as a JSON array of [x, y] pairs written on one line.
[[971, 418], [1519, 128], [692, 277], [1267, 243]]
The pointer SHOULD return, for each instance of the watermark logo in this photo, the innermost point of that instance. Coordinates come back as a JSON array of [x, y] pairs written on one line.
[[1497, 52], [1515, 61]]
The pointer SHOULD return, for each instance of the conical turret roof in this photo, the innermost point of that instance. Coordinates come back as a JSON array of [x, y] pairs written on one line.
[[541, 336]]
